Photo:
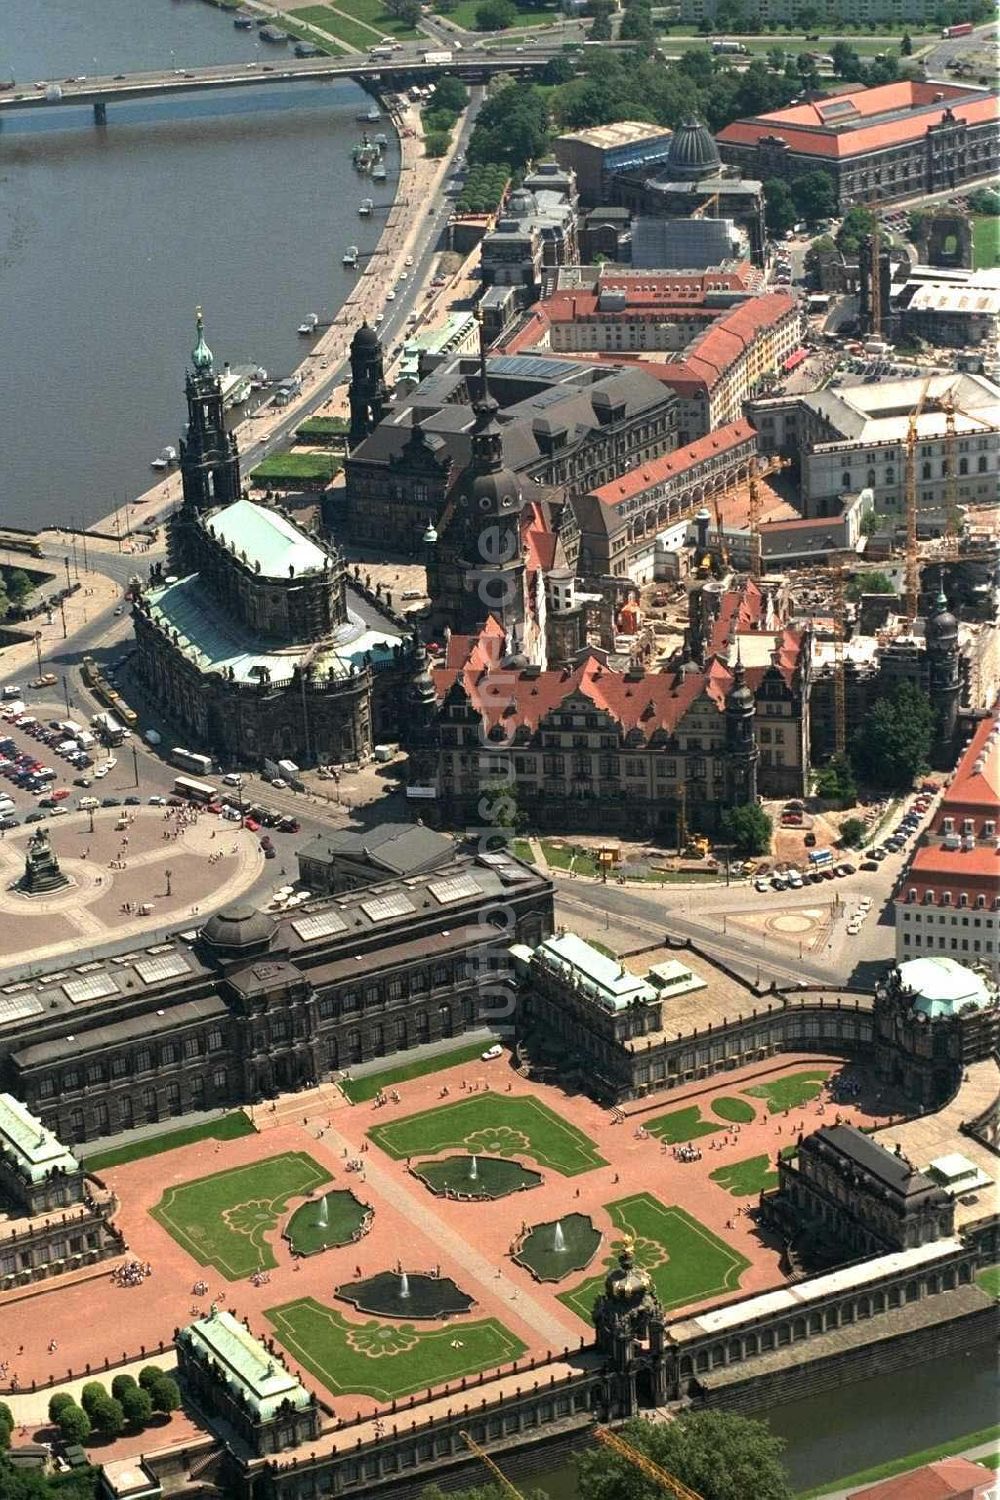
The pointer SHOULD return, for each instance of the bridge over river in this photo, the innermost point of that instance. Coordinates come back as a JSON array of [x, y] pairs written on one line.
[[403, 69]]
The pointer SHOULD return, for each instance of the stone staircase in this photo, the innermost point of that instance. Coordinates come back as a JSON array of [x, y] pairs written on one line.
[[290, 1109]]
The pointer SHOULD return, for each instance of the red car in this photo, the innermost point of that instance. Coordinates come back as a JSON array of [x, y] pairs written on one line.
[[252, 824], [61, 794]]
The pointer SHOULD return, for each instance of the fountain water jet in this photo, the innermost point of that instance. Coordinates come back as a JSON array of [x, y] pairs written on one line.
[[473, 1169], [404, 1285], [558, 1239], [323, 1215]]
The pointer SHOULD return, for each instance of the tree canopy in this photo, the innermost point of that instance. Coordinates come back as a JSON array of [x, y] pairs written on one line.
[[893, 743], [495, 15], [874, 582], [29, 1484], [719, 1455], [513, 127], [815, 196], [749, 827], [779, 209], [856, 223]]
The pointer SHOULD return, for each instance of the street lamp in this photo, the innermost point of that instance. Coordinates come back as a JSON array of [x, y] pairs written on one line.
[[38, 650], [168, 874], [135, 763]]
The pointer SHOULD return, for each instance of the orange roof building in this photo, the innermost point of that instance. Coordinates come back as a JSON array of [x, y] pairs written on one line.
[[897, 140]]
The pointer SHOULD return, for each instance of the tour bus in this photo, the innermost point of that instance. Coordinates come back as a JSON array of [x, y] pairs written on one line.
[[190, 760], [108, 727], [195, 791], [818, 857]]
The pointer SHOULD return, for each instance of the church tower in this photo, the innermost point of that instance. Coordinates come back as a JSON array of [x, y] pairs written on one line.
[[941, 632], [741, 743], [209, 461], [368, 394], [421, 717]]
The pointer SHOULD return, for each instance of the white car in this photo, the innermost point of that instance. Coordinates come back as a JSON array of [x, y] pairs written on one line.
[[492, 1053], [865, 903], [279, 782], [760, 884], [409, 260], [86, 802], [157, 801], [390, 295], [111, 762], [853, 928], [100, 773], [232, 778]]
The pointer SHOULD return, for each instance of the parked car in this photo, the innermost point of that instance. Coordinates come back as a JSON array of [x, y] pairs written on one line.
[[492, 1053]]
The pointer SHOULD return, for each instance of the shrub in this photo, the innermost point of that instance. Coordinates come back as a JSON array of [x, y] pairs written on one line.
[[151, 1375], [137, 1406], [74, 1424], [108, 1417], [121, 1384], [92, 1395], [58, 1402], [166, 1395], [852, 831]]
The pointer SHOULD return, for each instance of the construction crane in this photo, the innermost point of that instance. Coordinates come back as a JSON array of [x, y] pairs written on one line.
[[912, 590], [668, 1482], [839, 634], [757, 473], [497, 1473], [720, 535], [704, 207]]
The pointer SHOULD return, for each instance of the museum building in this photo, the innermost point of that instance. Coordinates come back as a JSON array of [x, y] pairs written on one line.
[[252, 1004]]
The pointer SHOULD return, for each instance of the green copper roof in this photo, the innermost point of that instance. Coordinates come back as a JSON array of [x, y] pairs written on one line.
[[604, 979], [201, 354], [943, 987], [35, 1150], [268, 539], [246, 1364]]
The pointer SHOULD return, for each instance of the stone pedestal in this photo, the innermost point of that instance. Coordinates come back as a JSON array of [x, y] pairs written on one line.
[[42, 874]]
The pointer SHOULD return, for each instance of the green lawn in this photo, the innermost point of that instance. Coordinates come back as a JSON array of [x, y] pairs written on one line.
[[373, 13], [569, 857], [682, 1125], [910, 1461], [737, 1110], [226, 1128], [344, 1217], [791, 1092], [321, 430], [354, 33], [303, 34], [221, 1220], [686, 1261], [388, 1361], [986, 243], [492, 1125], [280, 468], [464, 15], [745, 1179], [358, 1090], [521, 849], [989, 1280]]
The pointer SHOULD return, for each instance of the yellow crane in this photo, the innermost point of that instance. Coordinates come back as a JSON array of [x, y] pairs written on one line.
[[668, 1482], [953, 521], [497, 1473], [704, 207], [912, 590]]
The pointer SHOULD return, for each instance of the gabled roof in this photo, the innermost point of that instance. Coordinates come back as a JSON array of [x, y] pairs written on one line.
[[270, 541], [673, 465], [946, 1479], [858, 122]]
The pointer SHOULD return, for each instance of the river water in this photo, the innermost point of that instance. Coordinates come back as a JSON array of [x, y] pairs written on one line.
[[858, 1426], [108, 238]]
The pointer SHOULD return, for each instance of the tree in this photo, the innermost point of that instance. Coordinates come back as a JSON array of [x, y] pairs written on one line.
[[600, 29], [6, 1426], [852, 831], [717, 1454], [835, 781], [137, 1406], [869, 583], [108, 1417], [749, 827], [779, 210], [166, 1395], [451, 94], [92, 1395], [406, 11], [894, 741], [776, 58], [150, 1375], [18, 585], [121, 1384], [815, 196], [906, 46], [436, 143], [986, 201], [819, 251], [486, 1492], [495, 15], [557, 70], [58, 1401], [74, 1424], [846, 62], [856, 223]]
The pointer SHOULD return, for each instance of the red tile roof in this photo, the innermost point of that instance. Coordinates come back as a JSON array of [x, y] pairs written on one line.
[[673, 464], [816, 130], [538, 541], [969, 787], [935, 868], [947, 1479]]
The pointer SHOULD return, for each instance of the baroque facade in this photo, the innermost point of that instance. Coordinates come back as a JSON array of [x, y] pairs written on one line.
[[252, 640], [254, 1005]]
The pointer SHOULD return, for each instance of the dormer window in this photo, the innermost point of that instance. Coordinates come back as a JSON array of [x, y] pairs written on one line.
[[963, 899], [980, 902], [946, 898], [912, 895], [949, 825]]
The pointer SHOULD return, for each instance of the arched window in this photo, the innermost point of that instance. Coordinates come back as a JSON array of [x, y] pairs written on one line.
[[871, 479], [981, 464], [845, 479]]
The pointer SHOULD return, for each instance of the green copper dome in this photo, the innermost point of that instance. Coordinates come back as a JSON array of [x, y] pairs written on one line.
[[201, 354]]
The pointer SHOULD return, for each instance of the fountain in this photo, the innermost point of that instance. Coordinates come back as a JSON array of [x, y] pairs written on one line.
[[404, 1285], [394, 1294], [473, 1169], [559, 1239], [323, 1216]]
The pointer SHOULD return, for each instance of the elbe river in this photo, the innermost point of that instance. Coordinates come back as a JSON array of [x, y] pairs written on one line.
[[109, 238]]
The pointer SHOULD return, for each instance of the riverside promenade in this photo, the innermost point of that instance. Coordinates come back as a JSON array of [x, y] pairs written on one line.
[[420, 182]]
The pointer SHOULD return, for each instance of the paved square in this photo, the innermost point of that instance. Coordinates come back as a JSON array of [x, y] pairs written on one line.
[[493, 1125], [686, 1261], [222, 1220], [388, 1360]]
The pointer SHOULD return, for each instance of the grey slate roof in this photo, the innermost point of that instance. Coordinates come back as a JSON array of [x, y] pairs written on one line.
[[399, 848]]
